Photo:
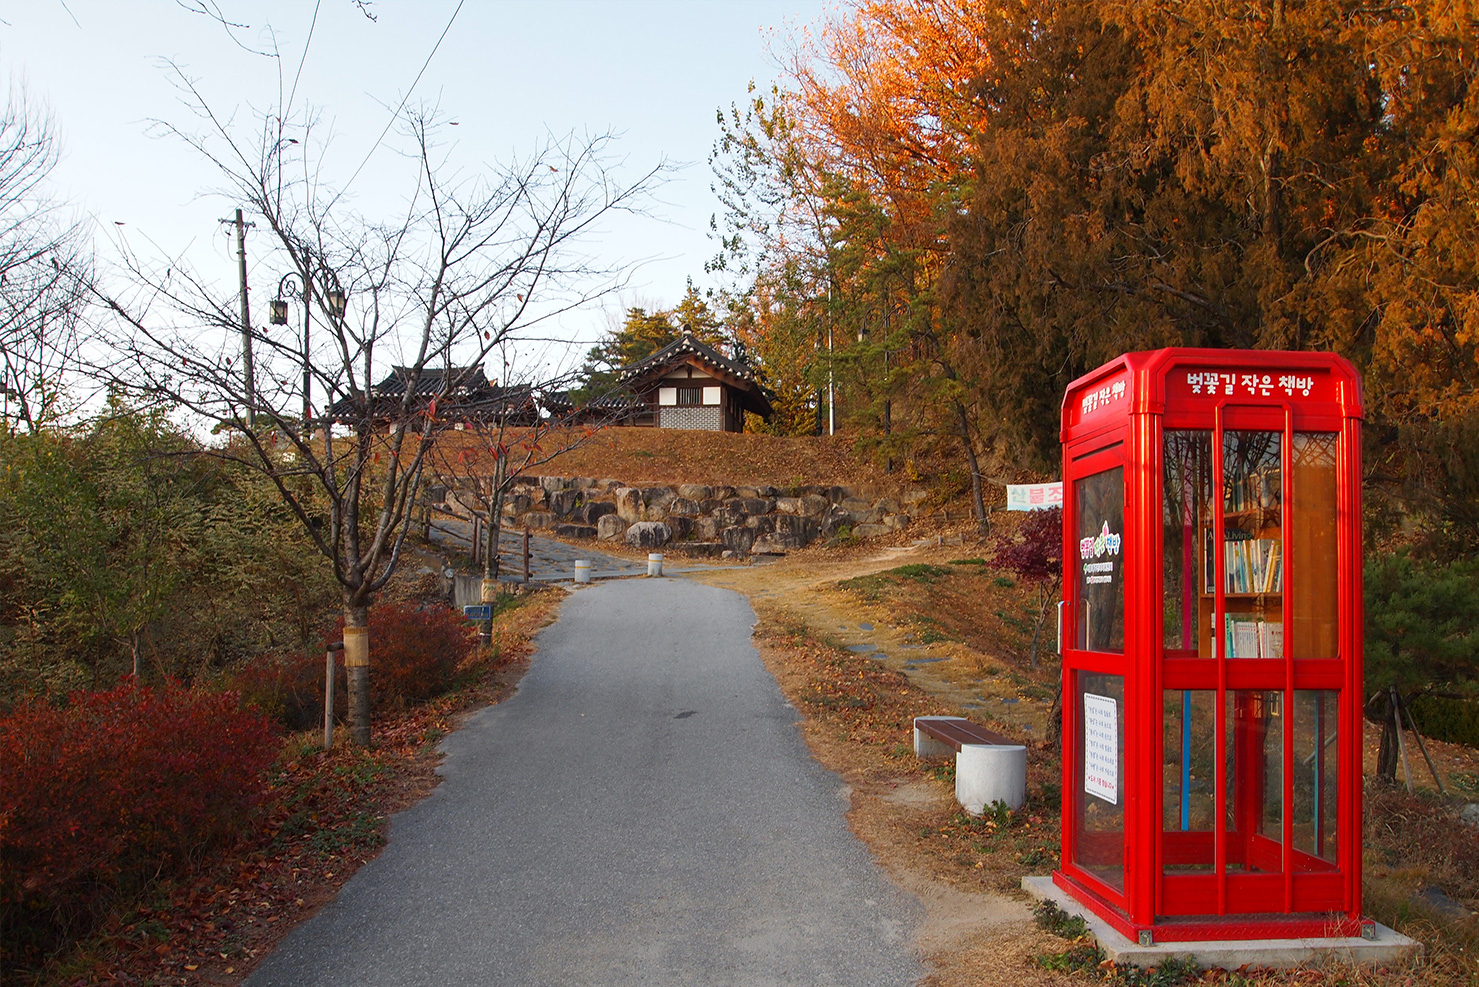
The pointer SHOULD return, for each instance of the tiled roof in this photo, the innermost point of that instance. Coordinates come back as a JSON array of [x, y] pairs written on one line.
[[432, 380], [610, 401], [683, 346], [462, 391]]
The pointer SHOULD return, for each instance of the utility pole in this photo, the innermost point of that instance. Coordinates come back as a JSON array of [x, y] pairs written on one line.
[[831, 406], [307, 366], [246, 321]]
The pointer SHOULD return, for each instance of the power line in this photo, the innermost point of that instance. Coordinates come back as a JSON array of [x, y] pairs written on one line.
[[396, 115], [307, 42]]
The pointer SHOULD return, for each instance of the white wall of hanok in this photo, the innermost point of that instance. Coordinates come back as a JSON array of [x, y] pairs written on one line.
[[720, 406], [707, 415]]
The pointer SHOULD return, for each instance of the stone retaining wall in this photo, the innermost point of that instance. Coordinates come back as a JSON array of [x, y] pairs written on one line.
[[701, 520]]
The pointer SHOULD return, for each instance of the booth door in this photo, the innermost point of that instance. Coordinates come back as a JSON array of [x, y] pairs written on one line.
[[1095, 674], [1250, 668]]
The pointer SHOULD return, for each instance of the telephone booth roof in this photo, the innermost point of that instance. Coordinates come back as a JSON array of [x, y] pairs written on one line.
[[1185, 379]]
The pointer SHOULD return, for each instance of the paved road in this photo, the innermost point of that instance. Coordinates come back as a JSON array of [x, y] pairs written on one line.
[[551, 561], [643, 811]]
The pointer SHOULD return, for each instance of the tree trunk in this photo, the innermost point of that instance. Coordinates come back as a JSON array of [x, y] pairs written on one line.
[[495, 519], [978, 498], [357, 671], [1388, 752], [1042, 615]]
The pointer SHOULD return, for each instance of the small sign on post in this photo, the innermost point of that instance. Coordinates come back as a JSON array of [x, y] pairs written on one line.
[[478, 611]]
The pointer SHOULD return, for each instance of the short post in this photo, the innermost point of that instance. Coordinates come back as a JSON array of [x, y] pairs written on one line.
[[654, 563], [329, 653], [527, 574], [582, 571]]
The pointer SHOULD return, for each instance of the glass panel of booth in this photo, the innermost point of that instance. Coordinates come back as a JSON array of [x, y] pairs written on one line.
[[1313, 547], [1252, 545], [1099, 518], [1316, 778], [1254, 745], [1186, 494], [1189, 780], [1099, 773]]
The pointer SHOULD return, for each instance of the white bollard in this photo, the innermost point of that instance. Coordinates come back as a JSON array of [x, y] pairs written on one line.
[[989, 773], [582, 571], [654, 563]]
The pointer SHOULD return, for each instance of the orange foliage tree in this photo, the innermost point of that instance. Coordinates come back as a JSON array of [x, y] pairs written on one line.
[[999, 196]]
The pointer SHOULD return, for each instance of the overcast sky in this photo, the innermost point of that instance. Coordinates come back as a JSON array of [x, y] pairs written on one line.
[[511, 72]]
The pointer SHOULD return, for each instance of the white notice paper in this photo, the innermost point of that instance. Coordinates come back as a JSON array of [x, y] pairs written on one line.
[[1101, 748]]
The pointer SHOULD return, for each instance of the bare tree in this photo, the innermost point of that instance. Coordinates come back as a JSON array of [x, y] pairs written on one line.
[[475, 262], [45, 268]]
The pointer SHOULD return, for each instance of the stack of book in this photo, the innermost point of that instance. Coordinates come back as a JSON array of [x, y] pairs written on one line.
[[1254, 565], [1245, 637]]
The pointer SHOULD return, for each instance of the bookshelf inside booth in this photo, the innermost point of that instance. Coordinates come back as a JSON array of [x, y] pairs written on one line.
[[1252, 515]]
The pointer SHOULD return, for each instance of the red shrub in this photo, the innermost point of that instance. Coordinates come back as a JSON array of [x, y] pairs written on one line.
[[114, 788], [290, 688], [414, 652], [414, 655]]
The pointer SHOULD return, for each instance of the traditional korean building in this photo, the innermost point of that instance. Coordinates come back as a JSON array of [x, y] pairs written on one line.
[[689, 384], [463, 394]]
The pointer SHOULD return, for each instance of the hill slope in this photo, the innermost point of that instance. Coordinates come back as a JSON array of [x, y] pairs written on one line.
[[655, 455]]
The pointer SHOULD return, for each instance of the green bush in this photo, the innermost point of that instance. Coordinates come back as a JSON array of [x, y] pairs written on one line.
[[1442, 718]]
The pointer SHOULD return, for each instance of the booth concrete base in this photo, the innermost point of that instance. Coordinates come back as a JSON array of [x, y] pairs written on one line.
[[1386, 948]]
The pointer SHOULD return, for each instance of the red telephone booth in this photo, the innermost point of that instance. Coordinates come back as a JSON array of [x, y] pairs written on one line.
[[1211, 642]]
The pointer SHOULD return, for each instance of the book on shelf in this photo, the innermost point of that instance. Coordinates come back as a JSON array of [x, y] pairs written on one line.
[[1253, 565], [1260, 490], [1245, 637], [1270, 639]]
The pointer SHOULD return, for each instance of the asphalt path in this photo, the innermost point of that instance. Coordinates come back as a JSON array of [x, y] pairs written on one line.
[[642, 811]]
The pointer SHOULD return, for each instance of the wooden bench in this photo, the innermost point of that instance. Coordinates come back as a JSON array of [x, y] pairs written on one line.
[[989, 768]]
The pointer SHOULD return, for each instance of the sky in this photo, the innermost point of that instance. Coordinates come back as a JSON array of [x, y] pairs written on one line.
[[510, 72]]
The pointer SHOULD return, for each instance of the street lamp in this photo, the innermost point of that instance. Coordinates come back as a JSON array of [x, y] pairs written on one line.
[[335, 301]]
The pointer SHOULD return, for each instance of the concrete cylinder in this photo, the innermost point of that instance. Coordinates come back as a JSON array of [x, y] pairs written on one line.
[[582, 571], [989, 773], [654, 563]]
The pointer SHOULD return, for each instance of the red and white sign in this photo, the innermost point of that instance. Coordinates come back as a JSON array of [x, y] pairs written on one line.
[[1209, 384], [1034, 496]]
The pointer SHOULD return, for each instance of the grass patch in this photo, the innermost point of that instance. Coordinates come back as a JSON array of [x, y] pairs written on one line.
[[1051, 917], [921, 572], [1085, 958]]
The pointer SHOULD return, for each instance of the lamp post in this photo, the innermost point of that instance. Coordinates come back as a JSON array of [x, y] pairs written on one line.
[[335, 301]]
